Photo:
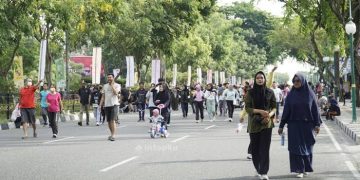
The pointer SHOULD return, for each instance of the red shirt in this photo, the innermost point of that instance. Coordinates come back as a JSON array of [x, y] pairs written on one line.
[[27, 97]]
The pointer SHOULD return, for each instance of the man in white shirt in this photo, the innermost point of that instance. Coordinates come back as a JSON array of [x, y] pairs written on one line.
[[110, 101], [278, 96]]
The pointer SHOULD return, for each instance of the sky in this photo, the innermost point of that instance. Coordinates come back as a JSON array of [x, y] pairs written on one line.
[[274, 7]]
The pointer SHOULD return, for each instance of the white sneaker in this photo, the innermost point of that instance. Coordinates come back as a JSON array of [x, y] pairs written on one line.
[[230, 119], [249, 157], [197, 121], [306, 173], [300, 175], [264, 177]]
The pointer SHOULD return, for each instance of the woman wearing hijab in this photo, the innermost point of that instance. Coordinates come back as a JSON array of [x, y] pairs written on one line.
[[198, 102], [303, 121], [163, 97], [184, 99], [260, 104], [210, 96]]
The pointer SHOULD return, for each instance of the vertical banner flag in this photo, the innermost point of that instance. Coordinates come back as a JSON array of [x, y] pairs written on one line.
[[155, 71], [199, 78], [222, 77], [42, 60], [209, 76], [130, 75], [60, 73], [174, 75], [96, 65], [216, 77], [18, 72], [189, 76], [239, 80], [233, 80], [116, 72]]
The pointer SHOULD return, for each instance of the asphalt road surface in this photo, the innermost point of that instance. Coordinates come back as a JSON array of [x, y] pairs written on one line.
[[208, 150]]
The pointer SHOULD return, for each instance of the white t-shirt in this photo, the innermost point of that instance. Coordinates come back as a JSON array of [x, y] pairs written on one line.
[[111, 99], [278, 94]]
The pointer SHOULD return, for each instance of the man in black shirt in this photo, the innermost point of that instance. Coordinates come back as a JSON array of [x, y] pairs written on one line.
[[141, 101], [84, 93]]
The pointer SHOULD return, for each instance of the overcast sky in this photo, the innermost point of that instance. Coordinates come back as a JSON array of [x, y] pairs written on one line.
[[272, 6]]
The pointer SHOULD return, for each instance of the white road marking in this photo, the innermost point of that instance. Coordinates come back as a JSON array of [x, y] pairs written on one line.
[[179, 139], [47, 142], [349, 164], [210, 127], [118, 164], [122, 126], [336, 144], [352, 169]]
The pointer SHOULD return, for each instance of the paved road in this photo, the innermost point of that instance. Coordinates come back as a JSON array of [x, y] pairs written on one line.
[[209, 150]]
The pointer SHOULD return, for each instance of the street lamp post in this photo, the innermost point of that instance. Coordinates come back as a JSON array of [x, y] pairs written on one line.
[[350, 29]]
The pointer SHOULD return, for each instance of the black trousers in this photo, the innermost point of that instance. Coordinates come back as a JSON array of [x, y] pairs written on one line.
[[230, 105], [199, 109], [260, 147], [52, 122], [141, 109], [184, 108]]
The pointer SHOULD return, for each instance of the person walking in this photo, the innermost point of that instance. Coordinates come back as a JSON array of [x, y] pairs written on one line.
[[184, 100], [260, 104], [94, 102], [85, 95], [301, 114], [43, 104], [27, 106], [54, 107], [278, 96], [110, 102], [141, 101], [163, 97], [231, 95], [150, 95], [210, 96], [222, 102], [199, 103]]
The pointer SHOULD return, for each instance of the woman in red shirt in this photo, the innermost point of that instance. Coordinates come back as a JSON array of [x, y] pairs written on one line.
[[54, 106]]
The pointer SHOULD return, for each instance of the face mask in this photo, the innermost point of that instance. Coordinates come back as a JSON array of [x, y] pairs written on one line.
[[29, 83]]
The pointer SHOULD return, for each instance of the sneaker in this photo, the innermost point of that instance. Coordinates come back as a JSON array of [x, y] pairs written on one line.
[[97, 124], [230, 119], [249, 157], [264, 177], [306, 173], [54, 136], [110, 138], [80, 123], [197, 121], [168, 125], [300, 175]]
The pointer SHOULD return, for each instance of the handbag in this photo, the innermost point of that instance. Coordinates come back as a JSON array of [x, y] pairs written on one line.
[[236, 102]]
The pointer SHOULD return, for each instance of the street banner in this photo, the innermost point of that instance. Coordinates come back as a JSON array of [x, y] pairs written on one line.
[[18, 72], [60, 73], [239, 80], [199, 78], [233, 80], [222, 77], [130, 74], [216, 74], [116, 72], [209, 76], [155, 71], [174, 75], [189, 76], [96, 65], [42, 60]]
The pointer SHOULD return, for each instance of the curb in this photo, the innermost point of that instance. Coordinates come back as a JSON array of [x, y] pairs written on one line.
[[349, 129]]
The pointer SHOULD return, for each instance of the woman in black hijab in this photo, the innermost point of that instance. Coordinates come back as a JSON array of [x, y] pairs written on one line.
[[301, 114], [163, 97], [260, 104]]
